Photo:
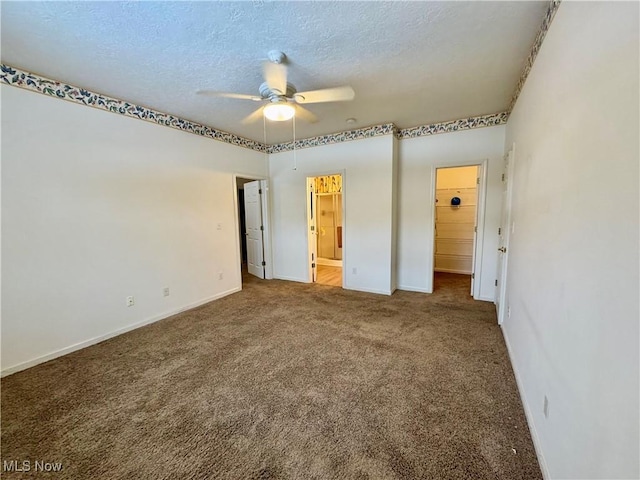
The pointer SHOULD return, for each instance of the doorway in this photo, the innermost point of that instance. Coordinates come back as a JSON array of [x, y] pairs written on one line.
[[455, 228], [325, 227]]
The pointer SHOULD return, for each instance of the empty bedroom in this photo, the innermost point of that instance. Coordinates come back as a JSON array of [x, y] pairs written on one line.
[[320, 240]]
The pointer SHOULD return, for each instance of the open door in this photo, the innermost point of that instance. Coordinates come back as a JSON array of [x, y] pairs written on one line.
[[475, 232], [255, 228], [312, 223], [503, 238]]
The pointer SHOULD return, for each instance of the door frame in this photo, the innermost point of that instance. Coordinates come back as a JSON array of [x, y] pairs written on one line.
[[266, 222], [478, 248], [501, 291], [312, 236], [341, 172]]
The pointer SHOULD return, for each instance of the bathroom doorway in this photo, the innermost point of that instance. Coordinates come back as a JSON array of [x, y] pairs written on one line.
[[325, 215]]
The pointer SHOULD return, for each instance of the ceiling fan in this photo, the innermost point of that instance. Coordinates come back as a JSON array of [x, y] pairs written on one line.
[[281, 99]]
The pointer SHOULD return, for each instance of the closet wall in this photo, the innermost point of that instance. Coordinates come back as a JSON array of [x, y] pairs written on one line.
[[455, 223]]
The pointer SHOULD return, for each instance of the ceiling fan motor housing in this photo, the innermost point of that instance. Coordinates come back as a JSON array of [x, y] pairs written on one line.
[[267, 93]]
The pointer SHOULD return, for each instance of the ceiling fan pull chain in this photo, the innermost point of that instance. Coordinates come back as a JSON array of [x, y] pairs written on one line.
[[264, 135], [295, 160]]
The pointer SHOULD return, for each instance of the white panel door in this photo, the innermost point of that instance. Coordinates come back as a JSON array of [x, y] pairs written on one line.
[[503, 237], [254, 236], [312, 225]]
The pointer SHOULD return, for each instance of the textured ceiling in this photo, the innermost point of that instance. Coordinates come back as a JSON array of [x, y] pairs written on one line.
[[410, 63]]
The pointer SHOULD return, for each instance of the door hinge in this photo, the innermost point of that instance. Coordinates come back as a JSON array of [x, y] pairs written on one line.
[[478, 181], [264, 263], [496, 282], [313, 265], [499, 231], [475, 229], [262, 227], [503, 177], [260, 190], [473, 275]]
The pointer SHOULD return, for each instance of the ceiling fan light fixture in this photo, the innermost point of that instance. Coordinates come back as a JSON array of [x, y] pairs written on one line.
[[282, 99], [279, 112]]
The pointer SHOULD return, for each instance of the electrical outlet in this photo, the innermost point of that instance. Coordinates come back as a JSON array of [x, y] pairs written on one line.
[[219, 227], [354, 271], [220, 275], [130, 302], [166, 291], [545, 408]]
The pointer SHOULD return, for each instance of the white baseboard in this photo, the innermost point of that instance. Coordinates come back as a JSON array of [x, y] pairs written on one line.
[[485, 299], [527, 411], [409, 288], [290, 279], [107, 336], [369, 290]]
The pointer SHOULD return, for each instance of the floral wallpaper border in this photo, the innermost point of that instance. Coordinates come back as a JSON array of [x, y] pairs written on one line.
[[329, 139], [546, 23], [455, 125], [29, 81]]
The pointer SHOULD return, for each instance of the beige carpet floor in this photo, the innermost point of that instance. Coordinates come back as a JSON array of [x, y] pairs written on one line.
[[287, 381]]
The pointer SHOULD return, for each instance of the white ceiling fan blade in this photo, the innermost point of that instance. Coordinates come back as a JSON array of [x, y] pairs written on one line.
[[253, 117], [240, 96], [305, 114], [337, 94], [275, 74]]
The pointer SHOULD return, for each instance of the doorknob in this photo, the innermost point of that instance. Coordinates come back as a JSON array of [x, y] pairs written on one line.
[[502, 249]]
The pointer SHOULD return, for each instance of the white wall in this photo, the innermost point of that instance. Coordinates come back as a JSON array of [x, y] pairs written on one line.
[[419, 158], [96, 207], [573, 267], [367, 166]]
